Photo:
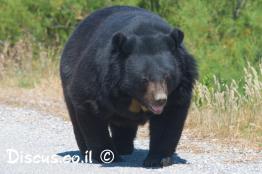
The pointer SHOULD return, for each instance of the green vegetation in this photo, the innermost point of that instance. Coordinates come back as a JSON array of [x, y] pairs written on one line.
[[223, 35]]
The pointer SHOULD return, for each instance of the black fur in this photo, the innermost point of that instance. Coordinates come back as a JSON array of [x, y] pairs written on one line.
[[103, 67]]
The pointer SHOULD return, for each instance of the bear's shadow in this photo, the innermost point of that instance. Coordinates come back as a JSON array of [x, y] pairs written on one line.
[[133, 160]]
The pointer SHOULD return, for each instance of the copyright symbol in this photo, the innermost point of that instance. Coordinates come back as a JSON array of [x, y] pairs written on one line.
[[107, 156]]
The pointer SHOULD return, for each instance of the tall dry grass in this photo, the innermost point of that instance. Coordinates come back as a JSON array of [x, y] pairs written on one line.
[[224, 111], [25, 64], [29, 77]]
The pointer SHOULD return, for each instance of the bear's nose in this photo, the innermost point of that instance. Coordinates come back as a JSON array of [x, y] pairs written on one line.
[[161, 102], [160, 99]]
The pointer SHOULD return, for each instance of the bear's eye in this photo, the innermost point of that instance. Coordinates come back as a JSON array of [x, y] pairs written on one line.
[[167, 76], [144, 80]]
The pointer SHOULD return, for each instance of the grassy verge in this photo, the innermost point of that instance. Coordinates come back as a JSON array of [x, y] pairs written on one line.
[[229, 110], [29, 78]]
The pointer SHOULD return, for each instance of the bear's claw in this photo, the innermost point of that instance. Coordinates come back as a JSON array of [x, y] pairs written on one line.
[[152, 162]]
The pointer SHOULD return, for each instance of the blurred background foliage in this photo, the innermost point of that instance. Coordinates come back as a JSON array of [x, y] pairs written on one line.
[[224, 35]]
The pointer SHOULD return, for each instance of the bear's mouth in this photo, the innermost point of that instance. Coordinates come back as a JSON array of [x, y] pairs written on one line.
[[156, 109], [148, 106]]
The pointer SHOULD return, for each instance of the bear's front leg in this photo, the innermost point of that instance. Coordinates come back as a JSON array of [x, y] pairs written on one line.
[[165, 132], [95, 133], [123, 137]]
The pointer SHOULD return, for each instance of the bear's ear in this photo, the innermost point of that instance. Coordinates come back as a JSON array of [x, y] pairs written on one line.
[[122, 44], [177, 35], [118, 40]]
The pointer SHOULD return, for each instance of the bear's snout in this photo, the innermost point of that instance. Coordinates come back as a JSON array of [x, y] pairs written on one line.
[[156, 97], [160, 98]]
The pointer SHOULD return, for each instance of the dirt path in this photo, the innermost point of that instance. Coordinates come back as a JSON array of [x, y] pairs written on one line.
[[33, 142]]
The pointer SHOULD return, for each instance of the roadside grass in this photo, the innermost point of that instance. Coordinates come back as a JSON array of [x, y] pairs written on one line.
[[29, 77], [224, 111]]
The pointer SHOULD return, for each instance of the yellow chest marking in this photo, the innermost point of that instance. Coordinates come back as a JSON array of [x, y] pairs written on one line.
[[136, 107]]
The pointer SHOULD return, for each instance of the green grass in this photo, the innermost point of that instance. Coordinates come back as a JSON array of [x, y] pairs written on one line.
[[222, 43]]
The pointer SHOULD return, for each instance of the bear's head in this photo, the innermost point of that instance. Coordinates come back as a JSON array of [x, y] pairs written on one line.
[[151, 67]]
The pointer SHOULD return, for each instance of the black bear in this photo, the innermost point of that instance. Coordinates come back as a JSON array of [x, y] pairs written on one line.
[[121, 67]]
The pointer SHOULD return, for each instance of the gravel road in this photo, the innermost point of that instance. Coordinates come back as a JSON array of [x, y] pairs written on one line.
[[33, 142]]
